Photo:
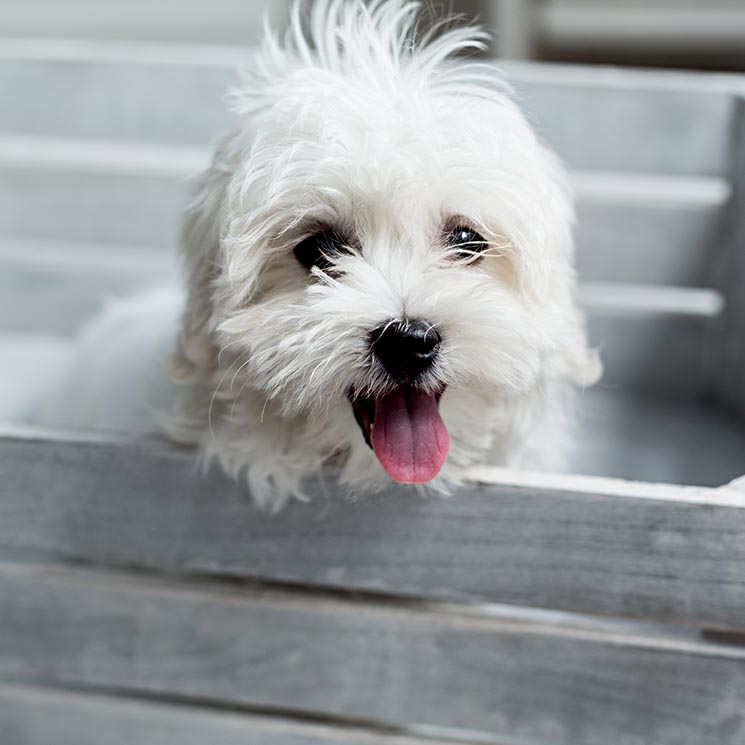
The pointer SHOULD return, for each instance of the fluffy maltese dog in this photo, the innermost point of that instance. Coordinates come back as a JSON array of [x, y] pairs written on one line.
[[378, 274]]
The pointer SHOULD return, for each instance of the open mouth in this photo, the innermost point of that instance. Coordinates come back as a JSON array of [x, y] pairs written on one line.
[[406, 432]]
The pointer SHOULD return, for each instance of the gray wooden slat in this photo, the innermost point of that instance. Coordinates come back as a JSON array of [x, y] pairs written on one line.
[[55, 302], [37, 716], [634, 299], [170, 21], [649, 228], [656, 244], [595, 127], [387, 664], [661, 28], [674, 125], [676, 555], [730, 357], [650, 437], [29, 365], [662, 354], [131, 101], [631, 346], [66, 205], [620, 434]]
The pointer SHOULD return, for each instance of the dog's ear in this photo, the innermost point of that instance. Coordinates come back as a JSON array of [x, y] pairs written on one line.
[[579, 361], [200, 250], [583, 365]]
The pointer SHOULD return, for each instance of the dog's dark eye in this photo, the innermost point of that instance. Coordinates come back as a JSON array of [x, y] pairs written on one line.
[[464, 243], [320, 249]]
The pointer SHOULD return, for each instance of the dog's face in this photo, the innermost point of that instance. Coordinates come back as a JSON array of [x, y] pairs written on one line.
[[390, 262]]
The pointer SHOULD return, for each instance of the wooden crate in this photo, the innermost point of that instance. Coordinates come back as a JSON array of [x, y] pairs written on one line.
[[143, 602]]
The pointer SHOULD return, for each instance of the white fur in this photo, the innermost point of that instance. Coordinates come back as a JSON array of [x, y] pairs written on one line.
[[364, 124]]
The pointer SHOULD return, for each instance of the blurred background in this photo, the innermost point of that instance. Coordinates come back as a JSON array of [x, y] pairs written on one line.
[[705, 34]]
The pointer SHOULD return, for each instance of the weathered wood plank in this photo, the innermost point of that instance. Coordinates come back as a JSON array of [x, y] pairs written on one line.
[[168, 21], [59, 302], [658, 28], [620, 433], [508, 676], [652, 123], [75, 280], [668, 553], [654, 353], [37, 716], [627, 335], [651, 436], [623, 117], [652, 244], [131, 209], [640, 228], [28, 365], [103, 96]]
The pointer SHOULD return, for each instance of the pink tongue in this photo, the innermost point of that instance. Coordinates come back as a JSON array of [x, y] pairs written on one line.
[[408, 435]]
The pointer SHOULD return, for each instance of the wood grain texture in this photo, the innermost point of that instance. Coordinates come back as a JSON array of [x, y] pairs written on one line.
[[143, 504], [386, 664], [37, 716]]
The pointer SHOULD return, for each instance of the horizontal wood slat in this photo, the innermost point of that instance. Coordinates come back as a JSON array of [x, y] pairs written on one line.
[[629, 332], [27, 296], [169, 21], [673, 126], [68, 206], [119, 196], [660, 354], [655, 245], [631, 130], [650, 436], [149, 101], [648, 300], [38, 716], [672, 554], [659, 27], [381, 663], [731, 353]]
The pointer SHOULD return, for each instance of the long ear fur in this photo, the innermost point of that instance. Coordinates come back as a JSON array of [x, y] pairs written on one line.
[[200, 250], [584, 367]]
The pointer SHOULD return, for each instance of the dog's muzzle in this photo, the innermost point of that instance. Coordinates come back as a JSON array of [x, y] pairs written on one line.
[[403, 425]]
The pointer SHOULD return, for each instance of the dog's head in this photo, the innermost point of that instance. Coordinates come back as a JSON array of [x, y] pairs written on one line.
[[381, 237]]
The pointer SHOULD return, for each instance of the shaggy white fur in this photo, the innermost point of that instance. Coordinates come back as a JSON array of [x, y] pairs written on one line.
[[385, 142]]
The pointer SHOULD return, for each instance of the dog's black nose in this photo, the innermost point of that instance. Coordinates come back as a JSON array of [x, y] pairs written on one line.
[[405, 348]]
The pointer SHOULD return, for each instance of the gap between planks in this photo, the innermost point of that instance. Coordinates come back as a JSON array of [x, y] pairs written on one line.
[[399, 611], [113, 706]]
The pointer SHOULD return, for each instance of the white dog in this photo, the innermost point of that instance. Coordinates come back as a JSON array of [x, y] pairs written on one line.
[[379, 265]]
